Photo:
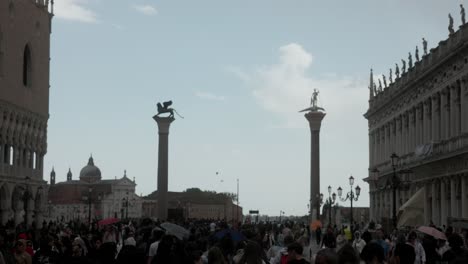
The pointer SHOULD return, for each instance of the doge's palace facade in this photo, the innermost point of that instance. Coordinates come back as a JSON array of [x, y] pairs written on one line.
[[24, 108], [422, 116]]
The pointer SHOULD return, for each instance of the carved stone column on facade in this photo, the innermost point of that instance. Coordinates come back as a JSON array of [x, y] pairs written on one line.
[[371, 149], [454, 111], [443, 202], [2, 157], [464, 105], [444, 115], [427, 121], [398, 135], [427, 215], [464, 198], [434, 213], [453, 197], [412, 130], [435, 117]]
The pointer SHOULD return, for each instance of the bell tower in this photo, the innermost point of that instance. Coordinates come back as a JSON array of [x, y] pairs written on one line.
[[25, 27]]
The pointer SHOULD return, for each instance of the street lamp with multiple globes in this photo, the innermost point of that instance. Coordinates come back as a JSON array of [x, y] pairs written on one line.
[[352, 196], [330, 201], [281, 214]]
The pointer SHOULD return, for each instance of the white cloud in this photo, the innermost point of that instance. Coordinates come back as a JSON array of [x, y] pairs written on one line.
[[209, 96], [74, 10], [146, 9], [286, 87]]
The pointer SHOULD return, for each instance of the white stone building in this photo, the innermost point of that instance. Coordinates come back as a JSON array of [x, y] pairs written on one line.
[[422, 117], [92, 196]]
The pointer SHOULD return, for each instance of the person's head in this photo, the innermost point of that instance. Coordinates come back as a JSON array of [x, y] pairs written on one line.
[[215, 256], [252, 252], [288, 240], [76, 249], [373, 253], [412, 237], [357, 235], [326, 256], [196, 257], [455, 241], [380, 234], [347, 255], [405, 253], [295, 250], [20, 245]]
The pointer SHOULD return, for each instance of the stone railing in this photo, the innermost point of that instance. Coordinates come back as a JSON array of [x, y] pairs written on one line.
[[437, 150]]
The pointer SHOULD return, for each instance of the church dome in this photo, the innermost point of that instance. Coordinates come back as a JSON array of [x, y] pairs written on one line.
[[90, 173]]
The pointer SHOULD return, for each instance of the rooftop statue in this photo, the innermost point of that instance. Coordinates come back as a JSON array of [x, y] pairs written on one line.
[[390, 76], [450, 27], [424, 46], [313, 103], [410, 61], [164, 108], [403, 66], [380, 86], [462, 13], [384, 81], [374, 87], [397, 70], [416, 53]]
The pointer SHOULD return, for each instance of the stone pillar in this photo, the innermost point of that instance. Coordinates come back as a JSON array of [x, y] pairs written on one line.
[[428, 121], [454, 121], [371, 149], [444, 115], [464, 105], [412, 126], [427, 215], [2, 155], [453, 197], [443, 202], [315, 121], [163, 160], [435, 125], [434, 212], [398, 135], [464, 198], [4, 215]]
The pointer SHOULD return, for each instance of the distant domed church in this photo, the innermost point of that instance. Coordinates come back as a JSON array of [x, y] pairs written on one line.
[[91, 197]]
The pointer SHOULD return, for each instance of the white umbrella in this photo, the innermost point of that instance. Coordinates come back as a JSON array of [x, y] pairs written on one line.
[[412, 212]]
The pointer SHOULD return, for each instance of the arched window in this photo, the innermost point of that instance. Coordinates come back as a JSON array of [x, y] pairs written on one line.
[[27, 66]]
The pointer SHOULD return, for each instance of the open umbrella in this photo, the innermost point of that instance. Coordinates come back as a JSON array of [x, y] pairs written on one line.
[[108, 221], [432, 232], [235, 235], [175, 230]]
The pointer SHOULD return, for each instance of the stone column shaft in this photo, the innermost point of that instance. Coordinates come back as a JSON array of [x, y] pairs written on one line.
[[443, 202], [464, 105], [163, 160], [453, 198], [315, 121], [427, 215], [435, 119], [453, 111], [444, 115], [464, 198]]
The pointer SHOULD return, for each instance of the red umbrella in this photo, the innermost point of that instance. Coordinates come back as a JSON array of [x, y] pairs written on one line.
[[432, 232], [108, 221]]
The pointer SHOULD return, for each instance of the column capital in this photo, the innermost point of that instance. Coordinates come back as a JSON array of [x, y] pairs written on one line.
[[315, 119], [163, 123]]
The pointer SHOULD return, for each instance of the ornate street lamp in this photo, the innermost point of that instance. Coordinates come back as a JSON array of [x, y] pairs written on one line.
[[330, 201], [351, 196], [395, 184], [90, 190]]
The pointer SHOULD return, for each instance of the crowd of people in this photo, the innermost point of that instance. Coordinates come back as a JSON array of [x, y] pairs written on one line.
[[216, 242]]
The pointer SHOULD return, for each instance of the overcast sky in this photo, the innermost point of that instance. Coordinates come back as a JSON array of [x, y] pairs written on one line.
[[238, 71]]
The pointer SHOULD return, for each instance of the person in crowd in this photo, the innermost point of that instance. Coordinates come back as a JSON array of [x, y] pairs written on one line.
[[252, 254], [157, 234], [329, 239], [215, 256], [21, 256], [418, 248], [381, 241], [456, 253], [295, 251], [403, 253], [46, 254], [318, 235], [358, 242], [130, 253], [341, 239], [373, 253], [348, 255], [326, 256]]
